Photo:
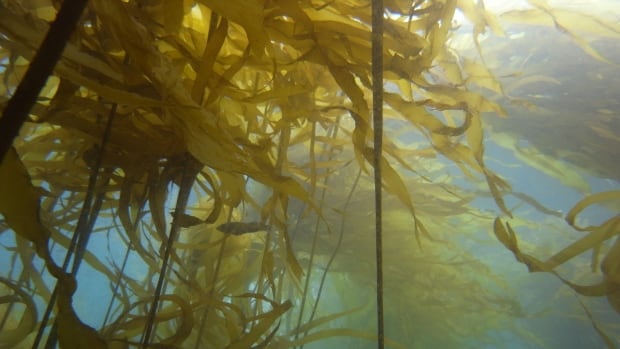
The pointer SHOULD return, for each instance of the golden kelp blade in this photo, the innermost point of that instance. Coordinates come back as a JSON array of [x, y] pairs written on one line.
[[262, 325], [508, 238], [197, 127], [394, 184], [608, 287], [565, 22], [611, 263], [219, 88], [186, 323], [19, 201], [612, 195], [10, 338], [249, 14], [29, 37], [552, 167], [595, 237], [614, 298]]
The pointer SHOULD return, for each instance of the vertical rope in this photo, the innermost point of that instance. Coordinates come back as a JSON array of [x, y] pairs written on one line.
[[81, 234], [377, 120], [190, 170]]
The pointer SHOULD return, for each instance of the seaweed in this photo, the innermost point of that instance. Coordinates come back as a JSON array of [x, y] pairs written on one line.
[[249, 122]]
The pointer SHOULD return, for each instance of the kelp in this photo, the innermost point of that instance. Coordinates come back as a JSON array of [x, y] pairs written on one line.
[[564, 21], [15, 177], [16, 110], [548, 165], [11, 337], [608, 287], [545, 103], [268, 102]]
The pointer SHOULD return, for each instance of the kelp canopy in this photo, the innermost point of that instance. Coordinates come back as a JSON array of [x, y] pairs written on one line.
[[197, 174]]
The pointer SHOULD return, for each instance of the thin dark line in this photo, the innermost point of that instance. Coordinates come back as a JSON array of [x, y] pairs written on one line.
[[377, 112], [190, 171]]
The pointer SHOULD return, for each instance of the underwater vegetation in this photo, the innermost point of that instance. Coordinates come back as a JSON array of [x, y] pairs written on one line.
[[199, 174]]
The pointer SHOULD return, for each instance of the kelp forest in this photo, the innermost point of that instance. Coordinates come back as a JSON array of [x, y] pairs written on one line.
[[309, 174]]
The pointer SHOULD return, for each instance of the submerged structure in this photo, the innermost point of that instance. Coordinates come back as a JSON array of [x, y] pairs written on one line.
[[199, 174]]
